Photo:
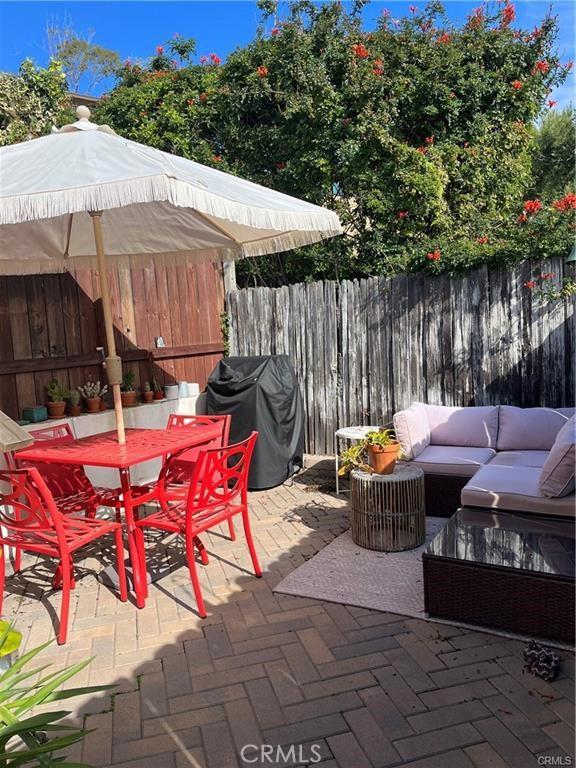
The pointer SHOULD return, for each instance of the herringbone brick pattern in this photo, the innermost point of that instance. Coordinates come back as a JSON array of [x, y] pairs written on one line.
[[345, 686]]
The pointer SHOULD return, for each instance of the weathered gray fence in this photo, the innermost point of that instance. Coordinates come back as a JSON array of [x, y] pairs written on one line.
[[364, 349]]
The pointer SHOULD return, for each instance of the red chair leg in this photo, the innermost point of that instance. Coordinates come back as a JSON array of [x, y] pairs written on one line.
[[250, 541], [17, 563], [194, 577], [65, 609], [141, 550], [201, 550], [231, 529], [122, 585], [2, 576]]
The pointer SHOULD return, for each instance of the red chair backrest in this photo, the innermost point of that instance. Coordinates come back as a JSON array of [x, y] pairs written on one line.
[[26, 505], [220, 477], [181, 468], [62, 480]]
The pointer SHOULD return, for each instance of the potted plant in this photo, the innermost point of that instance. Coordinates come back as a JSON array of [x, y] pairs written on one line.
[[127, 391], [57, 394], [377, 452], [147, 393], [158, 391], [75, 397], [92, 393]]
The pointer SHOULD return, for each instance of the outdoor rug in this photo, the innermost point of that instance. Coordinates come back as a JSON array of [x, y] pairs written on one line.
[[345, 573]]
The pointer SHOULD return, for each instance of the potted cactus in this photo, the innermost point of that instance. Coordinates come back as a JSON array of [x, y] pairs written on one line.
[[92, 393], [158, 391], [127, 391], [57, 394], [147, 393], [74, 402]]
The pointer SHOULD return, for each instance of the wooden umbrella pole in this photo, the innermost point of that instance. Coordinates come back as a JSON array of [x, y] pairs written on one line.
[[113, 362]]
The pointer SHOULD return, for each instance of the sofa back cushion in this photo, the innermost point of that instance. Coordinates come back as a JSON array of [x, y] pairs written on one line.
[[412, 431], [474, 426], [530, 429], [557, 475]]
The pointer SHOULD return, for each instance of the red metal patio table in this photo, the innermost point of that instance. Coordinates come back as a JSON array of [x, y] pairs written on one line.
[[103, 450]]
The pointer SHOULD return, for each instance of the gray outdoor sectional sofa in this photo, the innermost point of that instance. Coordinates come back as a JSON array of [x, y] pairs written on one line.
[[492, 457]]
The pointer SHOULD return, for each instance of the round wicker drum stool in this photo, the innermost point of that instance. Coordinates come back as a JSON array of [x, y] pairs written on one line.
[[388, 510]]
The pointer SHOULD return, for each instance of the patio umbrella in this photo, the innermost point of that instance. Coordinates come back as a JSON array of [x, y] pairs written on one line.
[[84, 195]]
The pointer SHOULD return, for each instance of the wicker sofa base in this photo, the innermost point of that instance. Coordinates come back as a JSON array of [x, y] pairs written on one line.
[[501, 598], [442, 494]]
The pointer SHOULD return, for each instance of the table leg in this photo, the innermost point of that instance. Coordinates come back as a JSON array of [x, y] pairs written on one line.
[[336, 465], [137, 575]]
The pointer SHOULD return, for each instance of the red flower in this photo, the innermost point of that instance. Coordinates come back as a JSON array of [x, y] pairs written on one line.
[[378, 69], [482, 240], [159, 50], [551, 103], [476, 18], [547, 275], [522, 218], [203, 96], [413, 8], [429, 140], [360, 51], [568, 66], [530, 284], [452, 95], [434, 256], [402, 214], [217, 159], [274, 31], [262, 71], [541, 66], [508, 14], [215, 59], [190, 102], [444, 38], [517, 85], [532, 206], [422, 150], [566, 203]]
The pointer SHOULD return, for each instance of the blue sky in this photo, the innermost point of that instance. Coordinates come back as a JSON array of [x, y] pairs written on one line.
[[134, 29]]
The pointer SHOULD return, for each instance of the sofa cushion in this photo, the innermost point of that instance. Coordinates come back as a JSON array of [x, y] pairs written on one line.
[[557, 476], [520, 459], [530, 429], [474, 426], [412, 431], [452, 460], [500, 487]]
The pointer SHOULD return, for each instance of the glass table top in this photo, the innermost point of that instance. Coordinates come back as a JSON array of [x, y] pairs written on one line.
[[508, 540]]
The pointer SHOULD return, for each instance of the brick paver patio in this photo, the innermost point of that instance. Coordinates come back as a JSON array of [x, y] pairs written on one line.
[[353, 687]]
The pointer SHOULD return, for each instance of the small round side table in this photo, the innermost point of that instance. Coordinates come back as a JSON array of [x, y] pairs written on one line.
[[388, 510], [348, 433]]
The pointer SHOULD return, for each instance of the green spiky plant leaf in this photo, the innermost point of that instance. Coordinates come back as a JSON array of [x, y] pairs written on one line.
[[28, 739]]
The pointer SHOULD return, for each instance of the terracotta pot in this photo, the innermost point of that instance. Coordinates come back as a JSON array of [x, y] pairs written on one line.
[[56, 410], [159, 395], [103, 404], [92, 404], [383, 458], [147, 397], [128, 399], [75, 410]]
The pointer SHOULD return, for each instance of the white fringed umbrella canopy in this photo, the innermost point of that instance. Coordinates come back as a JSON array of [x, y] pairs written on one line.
[[82, 195]]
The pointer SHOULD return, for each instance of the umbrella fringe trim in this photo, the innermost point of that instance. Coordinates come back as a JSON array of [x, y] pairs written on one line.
[[161, 188]]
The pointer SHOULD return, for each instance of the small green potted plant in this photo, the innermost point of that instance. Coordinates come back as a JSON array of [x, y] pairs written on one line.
[[158, 391], [377, 452], [127, 391], [57, 395], [75, 409], [147, 393], [93, 393]]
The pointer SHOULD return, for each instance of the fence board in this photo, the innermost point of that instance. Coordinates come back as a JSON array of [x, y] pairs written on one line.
[[363, 350]]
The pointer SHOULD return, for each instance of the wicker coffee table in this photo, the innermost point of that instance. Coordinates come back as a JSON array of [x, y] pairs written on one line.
[[388, 510], [504, 570]]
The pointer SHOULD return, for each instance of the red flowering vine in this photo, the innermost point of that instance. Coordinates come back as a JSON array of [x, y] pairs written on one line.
[[274, 31], [159, 50], [378, 68], [360, 51], [551, 103], [482, 240], [532, 207], [508, 14], [262, 71], [476, 18], [434, 256], [530, 284], [444, 38], [517, 85], [402, 214], [566, 203], [541, 66]]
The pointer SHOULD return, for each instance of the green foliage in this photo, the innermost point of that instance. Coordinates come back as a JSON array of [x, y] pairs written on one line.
[[553, 162], [57, 392], [35, 740], [356, 456], [31, 102], [128, 381], [419, 134]]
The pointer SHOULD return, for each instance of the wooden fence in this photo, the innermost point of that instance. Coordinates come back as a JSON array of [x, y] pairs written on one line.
[[365, 349], [52, 325]]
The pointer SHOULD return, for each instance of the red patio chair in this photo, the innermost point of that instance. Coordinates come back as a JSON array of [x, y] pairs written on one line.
[[31, 521], [217, 491], [174, 479]]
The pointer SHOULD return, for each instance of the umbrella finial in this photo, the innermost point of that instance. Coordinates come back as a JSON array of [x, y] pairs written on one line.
[[82, 112]]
